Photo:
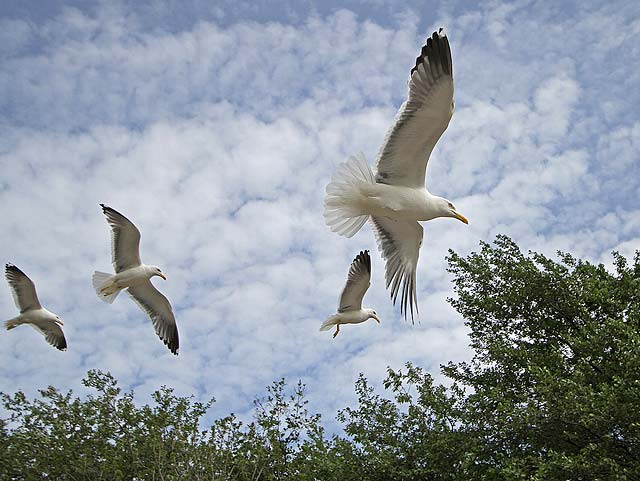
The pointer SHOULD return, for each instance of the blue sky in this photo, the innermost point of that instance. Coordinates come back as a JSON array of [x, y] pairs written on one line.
[[215, 127]]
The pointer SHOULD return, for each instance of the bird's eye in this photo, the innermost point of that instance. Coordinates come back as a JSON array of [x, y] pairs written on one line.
[[451, 206]]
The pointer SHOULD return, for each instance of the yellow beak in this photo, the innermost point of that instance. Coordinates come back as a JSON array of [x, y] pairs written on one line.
[[162, 275], [462, 218]]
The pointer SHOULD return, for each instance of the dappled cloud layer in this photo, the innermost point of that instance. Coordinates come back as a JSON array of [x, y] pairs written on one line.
[[218, 138]]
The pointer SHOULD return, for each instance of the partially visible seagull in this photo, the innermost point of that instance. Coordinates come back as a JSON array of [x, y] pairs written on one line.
[[395, 198], [350, 309], [133, 275], [31, 312]]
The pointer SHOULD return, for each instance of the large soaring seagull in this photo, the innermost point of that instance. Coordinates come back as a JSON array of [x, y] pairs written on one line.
[[31, 312], [395, 197], [133, 275]]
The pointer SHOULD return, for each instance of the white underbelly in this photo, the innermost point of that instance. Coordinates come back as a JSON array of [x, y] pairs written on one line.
[[130, 277], [399, 203], [352, 317]]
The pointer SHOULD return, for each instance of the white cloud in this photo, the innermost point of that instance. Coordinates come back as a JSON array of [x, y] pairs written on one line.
[[217, 141]]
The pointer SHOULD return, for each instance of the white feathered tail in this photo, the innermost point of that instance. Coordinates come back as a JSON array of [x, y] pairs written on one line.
[[329, 323], [341, 204], [101, 281]]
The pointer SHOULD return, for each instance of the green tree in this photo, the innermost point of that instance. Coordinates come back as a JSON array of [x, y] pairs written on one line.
[[555, 381], [552, 392], [414, 435], [106, 436], [101, 437]]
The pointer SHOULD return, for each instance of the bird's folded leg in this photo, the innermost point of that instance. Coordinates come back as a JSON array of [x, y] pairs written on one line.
[[337, 331]]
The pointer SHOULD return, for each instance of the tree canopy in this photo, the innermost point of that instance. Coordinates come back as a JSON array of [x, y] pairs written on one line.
[[552, 392]]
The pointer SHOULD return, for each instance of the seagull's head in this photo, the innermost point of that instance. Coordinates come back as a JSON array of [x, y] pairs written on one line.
[[447, 209], [59, 321], [155, 271], [373, 315]]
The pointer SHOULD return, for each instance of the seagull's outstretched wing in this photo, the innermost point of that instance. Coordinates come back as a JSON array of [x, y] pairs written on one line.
[[22, 288], [399, 244], [358, 281], [52, 332], [125, 240], [159, 310], [422, 119]]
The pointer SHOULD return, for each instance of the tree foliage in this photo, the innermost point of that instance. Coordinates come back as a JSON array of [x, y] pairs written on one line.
[[556, 375], [552, 392]]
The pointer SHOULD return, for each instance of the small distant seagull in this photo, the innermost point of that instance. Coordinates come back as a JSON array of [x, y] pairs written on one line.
[[133, 275], [31, 312], [350, 308], [395, 198]]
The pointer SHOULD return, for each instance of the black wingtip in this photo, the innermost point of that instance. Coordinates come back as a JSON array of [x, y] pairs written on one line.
[[173, 342], [9, 267], [436, 48], [365, 258], [173, 345], [109, 212]]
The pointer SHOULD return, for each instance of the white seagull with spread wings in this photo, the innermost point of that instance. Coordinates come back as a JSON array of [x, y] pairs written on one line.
[[31, 312], [350, 309], [133, 275], [395, 198]]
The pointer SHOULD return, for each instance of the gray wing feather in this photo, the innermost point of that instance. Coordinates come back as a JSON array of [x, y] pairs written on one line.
[[358, 281], [399, 244], [159, 310], [125, 240], [422, 119], [22, 288]]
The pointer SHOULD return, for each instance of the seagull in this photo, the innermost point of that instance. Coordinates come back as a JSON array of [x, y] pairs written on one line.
[[350, 309], [31, 312], [395, 198], [133, 275]]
